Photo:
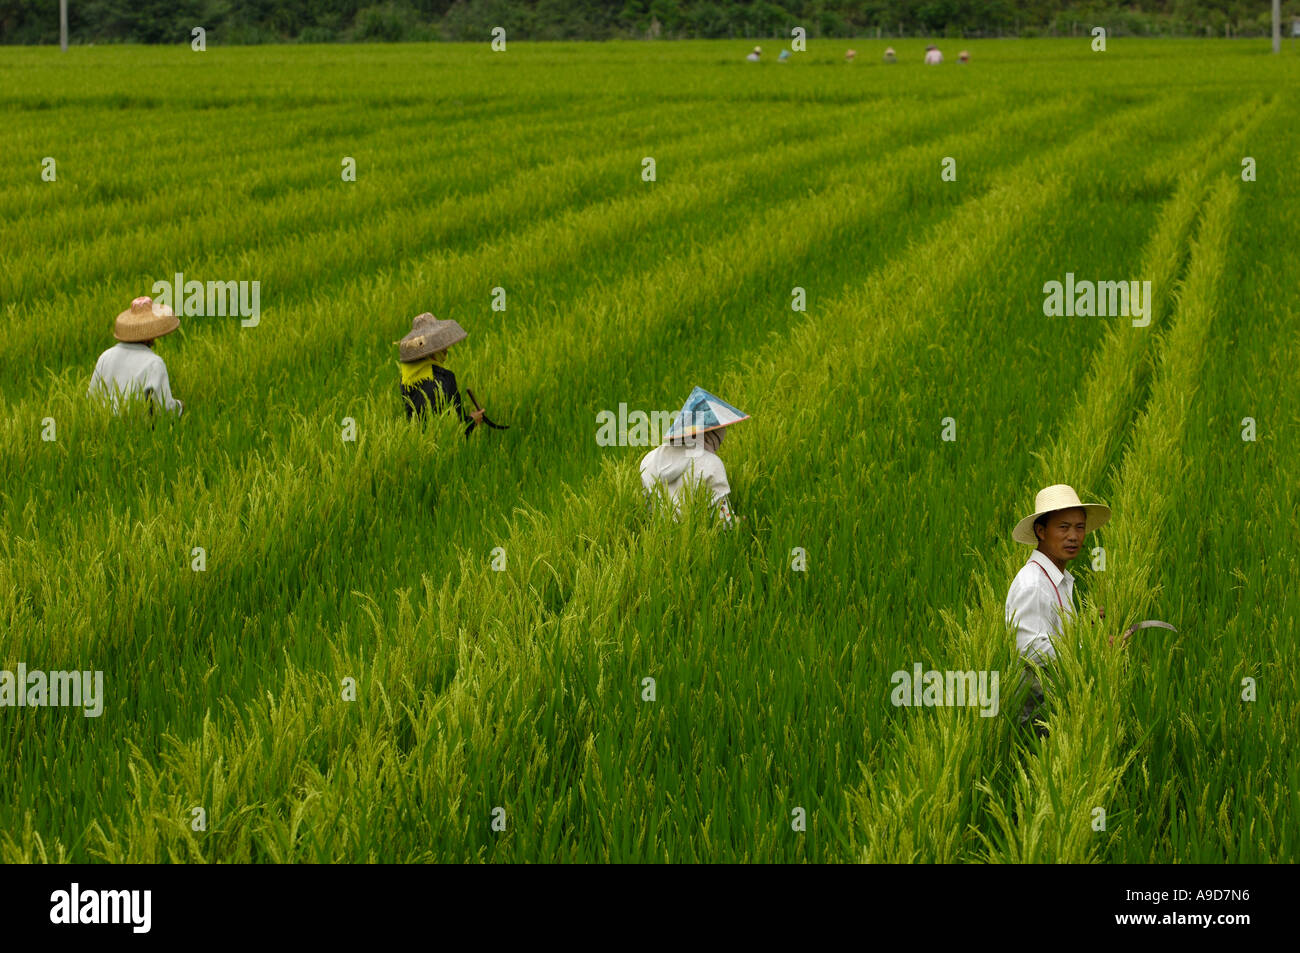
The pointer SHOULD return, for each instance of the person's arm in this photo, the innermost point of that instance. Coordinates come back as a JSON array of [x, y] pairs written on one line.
[[715, 475], [471, 420], [451, 393], [723, 508], [162, 390], [1029, 612], [97, 378], [475, 416]]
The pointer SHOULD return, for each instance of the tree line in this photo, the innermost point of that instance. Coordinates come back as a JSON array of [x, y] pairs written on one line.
[[328, 21]]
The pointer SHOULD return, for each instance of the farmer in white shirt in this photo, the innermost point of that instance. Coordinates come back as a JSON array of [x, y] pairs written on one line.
[[1042, 594], [130, 368], [689, 454]]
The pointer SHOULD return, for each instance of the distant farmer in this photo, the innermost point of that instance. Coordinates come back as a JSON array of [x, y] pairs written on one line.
[[783, 56], [426, 384], [754, 54], [1042, 594], [850, 54], [890, 56], [932, 55], [130, 368], [963, 57], [689, 454]]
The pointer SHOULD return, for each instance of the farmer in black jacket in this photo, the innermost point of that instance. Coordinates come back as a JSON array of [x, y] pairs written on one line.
[[425, 382]]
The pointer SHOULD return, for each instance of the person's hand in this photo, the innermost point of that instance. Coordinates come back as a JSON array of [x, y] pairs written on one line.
[[1101, 612], [477, 416]]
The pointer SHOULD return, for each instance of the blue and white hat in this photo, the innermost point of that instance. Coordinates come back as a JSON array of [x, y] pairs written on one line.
[[701, 413]]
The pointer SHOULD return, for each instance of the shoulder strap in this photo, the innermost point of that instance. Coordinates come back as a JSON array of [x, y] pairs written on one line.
[[1050, 583]]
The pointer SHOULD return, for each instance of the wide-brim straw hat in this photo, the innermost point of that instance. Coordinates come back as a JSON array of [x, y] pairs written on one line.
[[1059, 497], [144, 321], [429, 336], [758, 49]]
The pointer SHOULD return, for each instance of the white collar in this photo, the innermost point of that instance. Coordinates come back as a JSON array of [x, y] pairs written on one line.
[[1056, 575]]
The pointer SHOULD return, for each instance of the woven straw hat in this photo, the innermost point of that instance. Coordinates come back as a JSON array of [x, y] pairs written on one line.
[[144, 321], [429, 336], [1059, 497]]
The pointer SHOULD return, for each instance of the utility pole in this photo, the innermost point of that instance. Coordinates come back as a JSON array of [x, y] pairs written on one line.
[[63, 24], [1277, 26]]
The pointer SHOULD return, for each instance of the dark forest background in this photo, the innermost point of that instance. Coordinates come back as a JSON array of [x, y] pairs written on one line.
[[325, 21]]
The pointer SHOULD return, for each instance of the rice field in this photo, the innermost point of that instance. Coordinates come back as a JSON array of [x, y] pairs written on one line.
[[415, 647]]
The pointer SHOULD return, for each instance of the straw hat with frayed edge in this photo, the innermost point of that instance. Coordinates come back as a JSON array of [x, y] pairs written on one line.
[[144, 321], [1058, 497], [428, 336]]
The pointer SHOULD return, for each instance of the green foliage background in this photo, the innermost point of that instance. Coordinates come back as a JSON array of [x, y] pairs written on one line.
[[324, 21]]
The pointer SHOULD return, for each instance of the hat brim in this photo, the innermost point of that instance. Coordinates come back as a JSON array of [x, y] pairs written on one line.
[[1098, 515], [694, 431], [133, 332], [433, 342]]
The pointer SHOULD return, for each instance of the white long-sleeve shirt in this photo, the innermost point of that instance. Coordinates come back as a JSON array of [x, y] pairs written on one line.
[[678, 467], [129, 369], [1040, 597]]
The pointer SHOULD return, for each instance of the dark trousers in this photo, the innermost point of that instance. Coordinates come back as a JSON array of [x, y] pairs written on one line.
[[1035, 707]]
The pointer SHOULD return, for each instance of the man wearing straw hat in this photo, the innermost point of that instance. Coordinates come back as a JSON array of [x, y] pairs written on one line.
[[130, 368], [689, 454], [425, 383], [1042, 594]]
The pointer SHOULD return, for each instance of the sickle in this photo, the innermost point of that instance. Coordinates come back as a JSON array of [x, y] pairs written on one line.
[[1148, 624], [486, 419]]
